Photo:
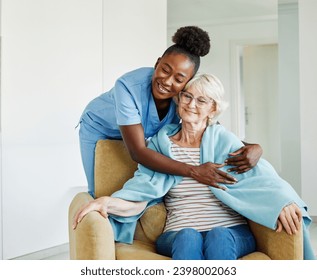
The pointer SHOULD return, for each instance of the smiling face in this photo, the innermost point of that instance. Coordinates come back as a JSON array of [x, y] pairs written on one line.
[[195, 107], [172, 72]]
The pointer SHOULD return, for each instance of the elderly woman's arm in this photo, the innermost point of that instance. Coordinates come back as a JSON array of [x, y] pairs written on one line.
[[110, 205]]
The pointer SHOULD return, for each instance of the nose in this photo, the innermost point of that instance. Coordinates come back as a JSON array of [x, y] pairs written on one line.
[[168, 81], [192, 103]]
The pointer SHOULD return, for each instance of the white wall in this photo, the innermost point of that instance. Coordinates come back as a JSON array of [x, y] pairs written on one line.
[[51, 60], [57, 56], [223, 37], [289, 94], [134, 36], [308, 99]]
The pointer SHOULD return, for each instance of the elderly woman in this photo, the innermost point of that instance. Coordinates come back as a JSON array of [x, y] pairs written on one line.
[[204, 222]]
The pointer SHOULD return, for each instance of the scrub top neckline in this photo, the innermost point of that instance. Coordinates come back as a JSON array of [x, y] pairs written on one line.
[[153, 114]]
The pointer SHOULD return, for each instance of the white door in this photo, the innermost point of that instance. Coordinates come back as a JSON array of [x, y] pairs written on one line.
[[259, 83]]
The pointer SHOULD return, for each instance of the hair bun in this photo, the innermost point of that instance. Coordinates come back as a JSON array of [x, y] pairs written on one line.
[[193, 39]]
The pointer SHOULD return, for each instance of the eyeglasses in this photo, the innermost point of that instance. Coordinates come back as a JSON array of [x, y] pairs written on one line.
[[200, 102]]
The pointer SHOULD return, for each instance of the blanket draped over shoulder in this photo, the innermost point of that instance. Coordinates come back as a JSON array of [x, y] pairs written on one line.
[[259, 195]]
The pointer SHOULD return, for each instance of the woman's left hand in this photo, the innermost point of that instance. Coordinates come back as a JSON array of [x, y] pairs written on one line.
[[289, 219], [245, 158]]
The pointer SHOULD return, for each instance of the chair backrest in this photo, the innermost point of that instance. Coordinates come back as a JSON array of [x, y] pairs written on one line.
[[113, 166]]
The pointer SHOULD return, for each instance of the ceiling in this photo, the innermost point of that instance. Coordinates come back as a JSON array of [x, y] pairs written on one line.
[[204, 11]]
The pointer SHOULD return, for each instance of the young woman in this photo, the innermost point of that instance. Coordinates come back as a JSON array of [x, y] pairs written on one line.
[[141, 102]]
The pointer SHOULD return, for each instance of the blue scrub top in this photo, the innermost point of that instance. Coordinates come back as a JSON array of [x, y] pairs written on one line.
[[129, 102]]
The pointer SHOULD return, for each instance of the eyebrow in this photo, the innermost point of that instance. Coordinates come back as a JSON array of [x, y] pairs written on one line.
[[181, 74], [205, 97]]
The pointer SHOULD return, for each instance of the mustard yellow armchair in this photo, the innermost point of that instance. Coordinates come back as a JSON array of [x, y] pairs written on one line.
[[93, 238]]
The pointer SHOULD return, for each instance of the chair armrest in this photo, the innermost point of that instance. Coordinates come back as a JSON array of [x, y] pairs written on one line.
[[278, 246], [93, 237]]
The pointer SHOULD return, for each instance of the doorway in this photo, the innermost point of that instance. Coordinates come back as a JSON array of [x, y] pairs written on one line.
[[258, 81]]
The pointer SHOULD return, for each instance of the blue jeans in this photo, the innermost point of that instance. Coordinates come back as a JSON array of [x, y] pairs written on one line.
[[220, 243], [88, 137]]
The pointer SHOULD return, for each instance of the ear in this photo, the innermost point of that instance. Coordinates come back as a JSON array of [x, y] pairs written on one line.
[[210, 116], [157, 62], [213, 111]]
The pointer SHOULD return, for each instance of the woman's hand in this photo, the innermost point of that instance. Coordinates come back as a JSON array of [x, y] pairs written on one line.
[[209, 174], [245, 158], [110, 205], [289, 219], [99, 205]]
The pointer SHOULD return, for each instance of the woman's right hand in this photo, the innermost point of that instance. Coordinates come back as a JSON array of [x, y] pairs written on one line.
[[100, 205], [210, 174], [110, 205]]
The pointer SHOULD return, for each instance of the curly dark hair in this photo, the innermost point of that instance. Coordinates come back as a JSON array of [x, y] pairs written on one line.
[[191, 41]]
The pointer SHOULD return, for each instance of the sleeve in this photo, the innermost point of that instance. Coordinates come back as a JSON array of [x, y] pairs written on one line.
[[146, 184], [127, 111]]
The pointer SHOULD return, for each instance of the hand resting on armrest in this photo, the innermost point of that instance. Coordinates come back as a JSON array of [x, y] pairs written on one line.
[[289, 219], [110, 205]]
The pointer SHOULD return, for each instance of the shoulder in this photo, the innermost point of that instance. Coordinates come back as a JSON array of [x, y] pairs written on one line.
[[217, 130], [164, 133], [222, 136], [137, 76], [169, 129]]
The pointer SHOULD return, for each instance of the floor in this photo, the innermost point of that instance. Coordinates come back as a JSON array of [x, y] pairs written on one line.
[[313, 235], [61, 256]]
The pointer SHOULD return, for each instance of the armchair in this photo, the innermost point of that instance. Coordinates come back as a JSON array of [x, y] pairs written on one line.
[[93, 238]]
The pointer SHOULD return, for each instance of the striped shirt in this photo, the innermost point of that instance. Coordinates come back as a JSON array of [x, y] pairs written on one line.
[[191, 204]]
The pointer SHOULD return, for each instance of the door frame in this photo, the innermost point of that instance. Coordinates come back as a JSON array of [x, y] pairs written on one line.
[[237, 97]]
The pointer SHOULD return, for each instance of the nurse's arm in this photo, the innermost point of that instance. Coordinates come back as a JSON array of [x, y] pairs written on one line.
[[207, 173]]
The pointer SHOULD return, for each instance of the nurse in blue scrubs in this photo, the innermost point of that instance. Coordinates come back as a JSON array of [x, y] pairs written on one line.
[[141, 102]]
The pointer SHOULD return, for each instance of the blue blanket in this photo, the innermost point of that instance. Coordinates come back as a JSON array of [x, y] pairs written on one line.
[[259, 195]]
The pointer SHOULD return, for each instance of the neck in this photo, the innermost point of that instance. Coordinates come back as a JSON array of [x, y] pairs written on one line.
[[162, 107], [190, 135]]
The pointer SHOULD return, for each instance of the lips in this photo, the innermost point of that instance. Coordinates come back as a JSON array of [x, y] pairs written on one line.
[[162, 89], [191, 112]]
